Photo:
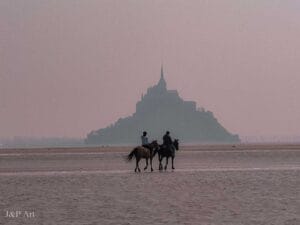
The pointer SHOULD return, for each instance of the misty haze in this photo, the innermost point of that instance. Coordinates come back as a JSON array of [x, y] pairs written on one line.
[[149, 112]]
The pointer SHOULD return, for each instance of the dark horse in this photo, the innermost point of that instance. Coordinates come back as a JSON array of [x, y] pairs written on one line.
[[142, 152], [165, 151]]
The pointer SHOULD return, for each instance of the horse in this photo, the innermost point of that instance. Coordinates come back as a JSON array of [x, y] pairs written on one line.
[[142, 152], [164, 151]]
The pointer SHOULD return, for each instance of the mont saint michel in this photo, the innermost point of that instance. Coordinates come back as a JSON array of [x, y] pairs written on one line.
[[159, 110]]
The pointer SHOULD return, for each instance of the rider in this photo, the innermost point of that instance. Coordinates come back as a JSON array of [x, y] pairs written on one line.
[[167, 141], [144, 139]]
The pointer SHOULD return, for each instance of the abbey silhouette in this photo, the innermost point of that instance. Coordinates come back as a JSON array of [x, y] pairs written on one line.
[[160, 110]]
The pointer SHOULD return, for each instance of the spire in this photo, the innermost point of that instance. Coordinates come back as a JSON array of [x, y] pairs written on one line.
[[162, 83]]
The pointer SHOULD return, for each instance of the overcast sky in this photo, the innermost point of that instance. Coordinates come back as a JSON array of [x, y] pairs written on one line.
[[71, 66]]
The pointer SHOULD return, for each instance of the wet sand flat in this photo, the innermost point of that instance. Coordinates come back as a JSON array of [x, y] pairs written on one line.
[[210, 185]]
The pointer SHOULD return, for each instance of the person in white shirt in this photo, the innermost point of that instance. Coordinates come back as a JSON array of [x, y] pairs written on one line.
[[144, 139]]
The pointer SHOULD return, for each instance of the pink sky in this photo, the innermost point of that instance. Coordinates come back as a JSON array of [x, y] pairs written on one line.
[[68, 67]]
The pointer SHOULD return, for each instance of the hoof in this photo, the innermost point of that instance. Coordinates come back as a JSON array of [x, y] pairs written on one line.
[[151, 169], [145, 168], [173, 168]]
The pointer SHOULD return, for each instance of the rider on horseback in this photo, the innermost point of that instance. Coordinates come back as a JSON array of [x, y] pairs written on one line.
[[144, 138], [167, 141]]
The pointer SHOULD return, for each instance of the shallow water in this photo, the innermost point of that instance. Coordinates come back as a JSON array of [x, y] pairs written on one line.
[[207, 187]]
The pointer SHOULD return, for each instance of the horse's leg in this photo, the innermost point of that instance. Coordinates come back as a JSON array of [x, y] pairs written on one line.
[[160, 163], [136, 164], [151, 164], [139, 165], [173, 163], [167, 159], [146, 164]]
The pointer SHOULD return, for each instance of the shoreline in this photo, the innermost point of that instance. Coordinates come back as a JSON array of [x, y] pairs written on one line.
[[116, 149]]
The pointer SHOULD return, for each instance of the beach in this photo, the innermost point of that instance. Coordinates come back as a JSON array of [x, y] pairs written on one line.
[[212, 184]]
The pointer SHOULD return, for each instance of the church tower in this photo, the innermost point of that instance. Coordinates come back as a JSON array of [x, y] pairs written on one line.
[[162, 84]]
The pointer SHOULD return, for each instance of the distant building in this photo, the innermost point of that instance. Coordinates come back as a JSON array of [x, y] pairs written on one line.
[[160, 110]]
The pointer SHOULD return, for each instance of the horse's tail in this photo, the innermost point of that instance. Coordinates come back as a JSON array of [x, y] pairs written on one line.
[[131, 154]]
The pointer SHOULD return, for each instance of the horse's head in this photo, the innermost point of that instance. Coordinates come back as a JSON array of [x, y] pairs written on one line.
[[176, 144], [154, 144]]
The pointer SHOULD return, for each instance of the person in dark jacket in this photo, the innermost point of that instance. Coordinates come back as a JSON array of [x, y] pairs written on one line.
[[167, 141]]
